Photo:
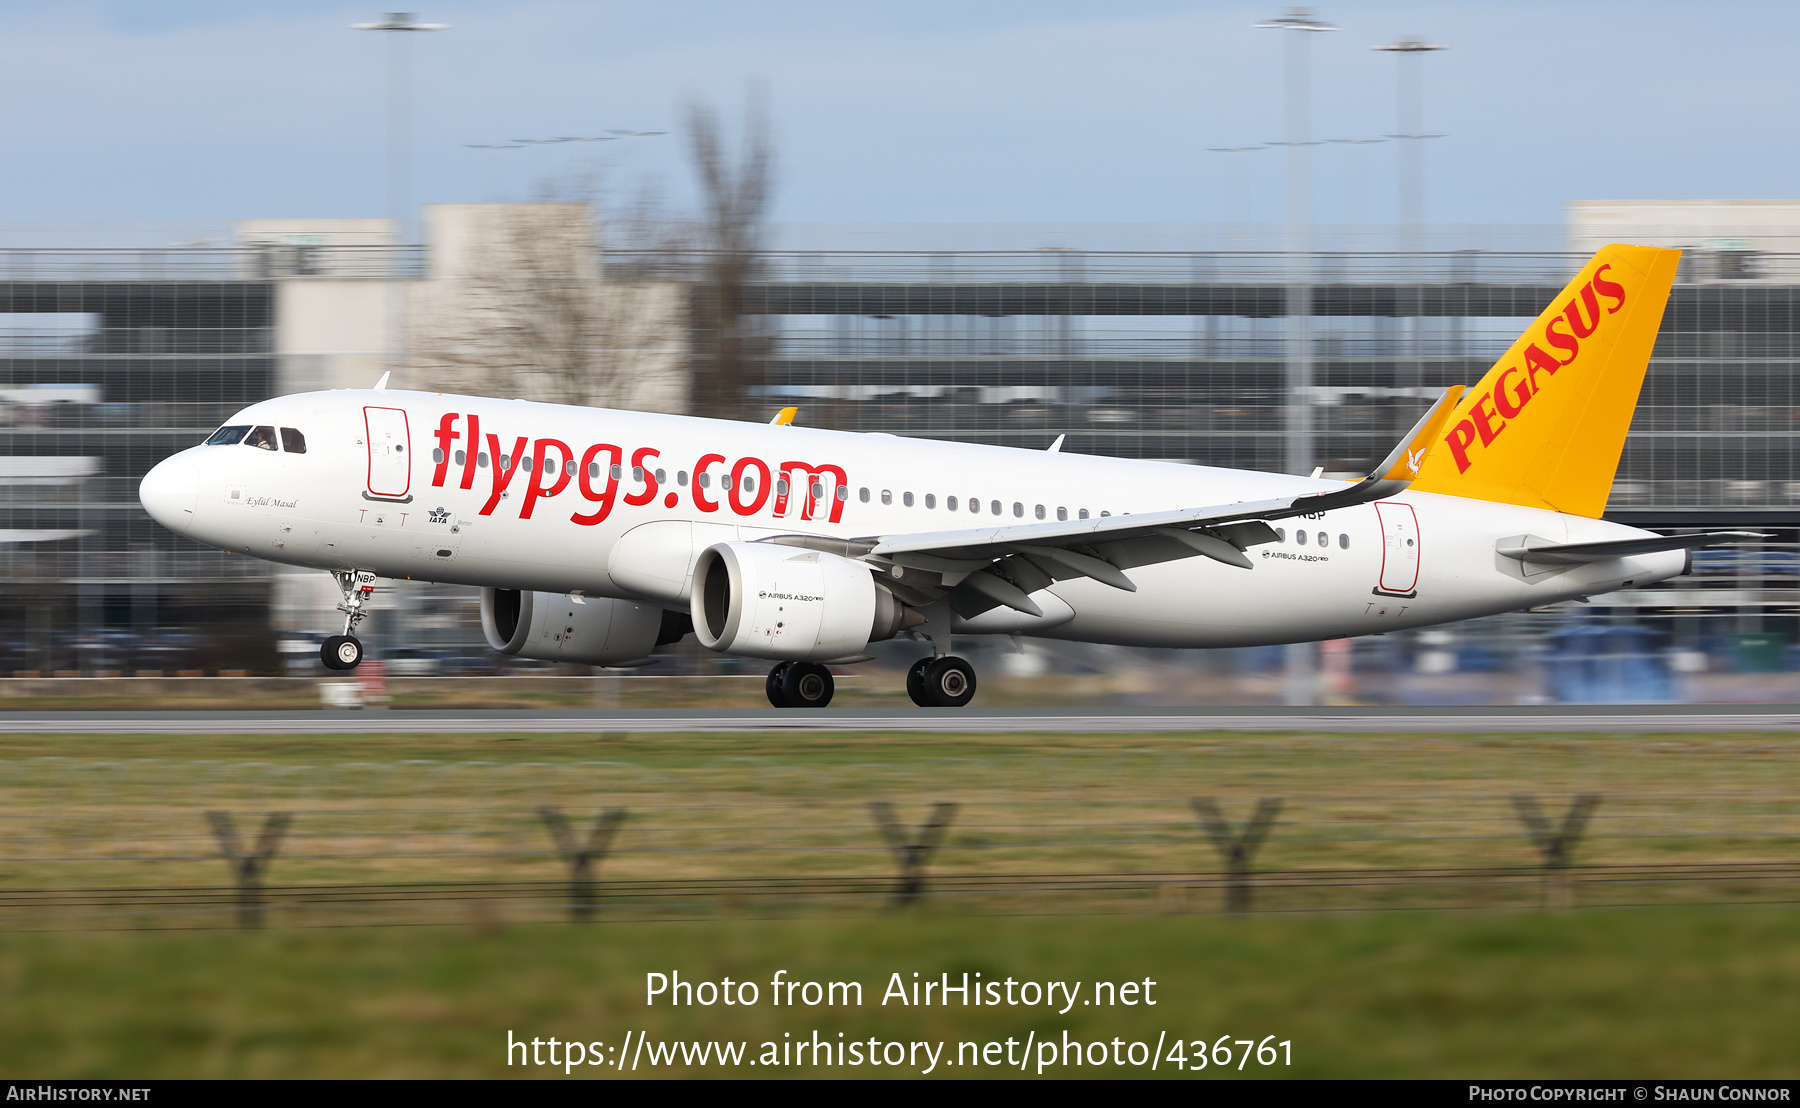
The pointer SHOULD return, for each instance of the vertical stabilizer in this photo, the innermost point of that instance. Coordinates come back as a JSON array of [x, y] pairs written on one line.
[[1546, 426]]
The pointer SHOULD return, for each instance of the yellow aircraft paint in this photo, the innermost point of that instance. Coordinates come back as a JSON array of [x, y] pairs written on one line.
[[1545, 427]]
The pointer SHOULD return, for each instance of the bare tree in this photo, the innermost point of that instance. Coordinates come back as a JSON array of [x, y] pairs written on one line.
[[524, 311], [729, 351], [534, 307]]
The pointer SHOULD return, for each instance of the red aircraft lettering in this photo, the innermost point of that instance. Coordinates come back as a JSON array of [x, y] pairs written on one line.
[[535, 487], [584, 482], [505, 465], [807, 505], [638, 456], [469, 459], [737, 486], [445, 436], [702, 479]]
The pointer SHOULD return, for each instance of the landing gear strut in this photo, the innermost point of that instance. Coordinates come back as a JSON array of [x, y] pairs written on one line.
[[799, 685], [345, 651], [947, 682]]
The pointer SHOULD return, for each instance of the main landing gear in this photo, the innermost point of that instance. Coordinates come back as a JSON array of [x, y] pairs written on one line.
[[345, 651], [800, 685], [946, 682]]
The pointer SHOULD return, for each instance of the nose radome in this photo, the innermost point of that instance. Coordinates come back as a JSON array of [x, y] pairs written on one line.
[[170, 491]]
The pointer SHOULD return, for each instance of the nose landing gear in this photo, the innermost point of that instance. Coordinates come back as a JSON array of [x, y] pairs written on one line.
[[800, 685], [341, 652], [345, 651]]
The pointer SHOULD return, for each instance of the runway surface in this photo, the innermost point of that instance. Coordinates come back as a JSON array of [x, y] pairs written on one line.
[[1604, 718]]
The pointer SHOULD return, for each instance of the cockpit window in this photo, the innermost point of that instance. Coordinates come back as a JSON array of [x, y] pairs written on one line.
[[263, 437], [293, 441], [225, 436]]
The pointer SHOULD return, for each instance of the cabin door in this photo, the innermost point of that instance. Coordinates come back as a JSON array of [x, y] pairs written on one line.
[[1399, 549], [390, 453]]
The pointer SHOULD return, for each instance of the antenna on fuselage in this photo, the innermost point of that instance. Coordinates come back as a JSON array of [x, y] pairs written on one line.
[[1055, 447], [382, 384]]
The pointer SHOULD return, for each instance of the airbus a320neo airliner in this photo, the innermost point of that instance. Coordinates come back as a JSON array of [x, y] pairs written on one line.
[[595, 536]]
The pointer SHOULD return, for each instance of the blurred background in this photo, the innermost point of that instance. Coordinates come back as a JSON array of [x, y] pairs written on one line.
[[1230, 237]]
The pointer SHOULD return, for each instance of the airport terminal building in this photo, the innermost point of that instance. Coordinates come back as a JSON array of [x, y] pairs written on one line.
[[1203, 345]]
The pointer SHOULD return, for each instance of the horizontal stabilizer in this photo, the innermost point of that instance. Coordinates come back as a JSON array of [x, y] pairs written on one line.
[[1528, 548]]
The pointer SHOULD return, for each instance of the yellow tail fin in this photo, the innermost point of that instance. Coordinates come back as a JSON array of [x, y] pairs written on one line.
[[1546, 426]]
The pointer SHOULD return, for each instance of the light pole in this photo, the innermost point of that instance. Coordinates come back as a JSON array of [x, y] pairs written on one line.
[[1409, 98], [1409, 51], [1298, 24], [399, 27]]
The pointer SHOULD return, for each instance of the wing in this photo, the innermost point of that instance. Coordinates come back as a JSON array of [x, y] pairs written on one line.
[[989, 566]]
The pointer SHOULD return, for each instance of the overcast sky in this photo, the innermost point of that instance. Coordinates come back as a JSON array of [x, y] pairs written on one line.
[[927, 111]]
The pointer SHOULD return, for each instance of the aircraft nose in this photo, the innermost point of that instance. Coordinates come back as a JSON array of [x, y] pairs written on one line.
[[170, 491]]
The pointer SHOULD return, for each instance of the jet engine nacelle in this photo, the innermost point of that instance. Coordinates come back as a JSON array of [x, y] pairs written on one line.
[[592, 631], [767, 600]]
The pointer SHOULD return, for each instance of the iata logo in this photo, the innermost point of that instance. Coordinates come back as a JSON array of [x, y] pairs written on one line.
[[1488, 417]]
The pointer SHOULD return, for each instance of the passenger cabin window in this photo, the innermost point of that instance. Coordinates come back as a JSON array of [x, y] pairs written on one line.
[[293, 441], [931, 500], [227, 436], [263, 438], [949, 502], [887, 497], [862, 495], [1062, 514], [906, 499]]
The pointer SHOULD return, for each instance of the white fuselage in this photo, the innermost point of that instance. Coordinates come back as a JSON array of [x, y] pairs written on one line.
[[386, 484]]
